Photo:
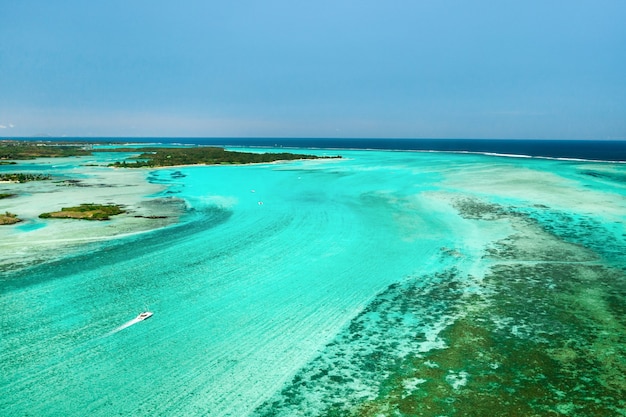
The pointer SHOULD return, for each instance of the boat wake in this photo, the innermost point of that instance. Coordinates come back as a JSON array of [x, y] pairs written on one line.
[[140, 317]]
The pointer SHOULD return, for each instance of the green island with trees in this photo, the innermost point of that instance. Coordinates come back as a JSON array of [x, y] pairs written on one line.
[[205, 155], [154, 156], [21, 177], [20, 150], [86, 211], [9, 218]]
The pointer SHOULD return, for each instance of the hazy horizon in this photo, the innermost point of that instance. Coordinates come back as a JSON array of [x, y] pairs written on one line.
[[322, 138]]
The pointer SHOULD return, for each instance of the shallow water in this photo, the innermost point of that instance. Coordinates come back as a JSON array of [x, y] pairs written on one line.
[[385, 283]]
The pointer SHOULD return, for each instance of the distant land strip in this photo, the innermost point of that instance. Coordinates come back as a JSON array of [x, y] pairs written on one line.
[[153, 156], [205, 155]]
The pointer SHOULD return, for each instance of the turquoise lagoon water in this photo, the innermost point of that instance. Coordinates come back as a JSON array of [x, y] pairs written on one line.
[[381, 284]]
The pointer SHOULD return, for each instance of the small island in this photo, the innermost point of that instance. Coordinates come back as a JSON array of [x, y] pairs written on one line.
[[87, 211], [9, 218], [204, 155], [20, 177]]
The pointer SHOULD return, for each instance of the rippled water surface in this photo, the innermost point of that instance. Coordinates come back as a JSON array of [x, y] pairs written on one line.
[[380, 284]]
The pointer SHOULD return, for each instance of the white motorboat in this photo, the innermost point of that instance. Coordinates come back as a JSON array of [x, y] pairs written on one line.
[[144, 315]]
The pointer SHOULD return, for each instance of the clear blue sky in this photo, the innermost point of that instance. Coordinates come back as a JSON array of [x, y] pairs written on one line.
[[414, 68]]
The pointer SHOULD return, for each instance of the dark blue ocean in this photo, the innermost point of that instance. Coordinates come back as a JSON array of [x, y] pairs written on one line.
[[602, 150]]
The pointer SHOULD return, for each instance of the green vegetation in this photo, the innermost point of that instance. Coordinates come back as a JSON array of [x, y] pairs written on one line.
[[88, 211], [150, 157], [6, 195], [13, 149], [162, 157], [20, 177], [8, 218]]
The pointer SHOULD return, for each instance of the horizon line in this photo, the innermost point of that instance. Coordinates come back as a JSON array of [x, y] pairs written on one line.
[[44, 137]]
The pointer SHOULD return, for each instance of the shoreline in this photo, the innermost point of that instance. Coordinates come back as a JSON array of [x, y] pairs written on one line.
[[285, 161]]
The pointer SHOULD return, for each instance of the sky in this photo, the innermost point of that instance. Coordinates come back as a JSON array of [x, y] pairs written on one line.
[[326, 68]]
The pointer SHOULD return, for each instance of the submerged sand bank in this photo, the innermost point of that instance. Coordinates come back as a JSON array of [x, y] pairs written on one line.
[[34, 240]]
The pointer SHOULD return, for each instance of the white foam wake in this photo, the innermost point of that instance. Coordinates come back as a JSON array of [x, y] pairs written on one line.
[[124, 326]]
